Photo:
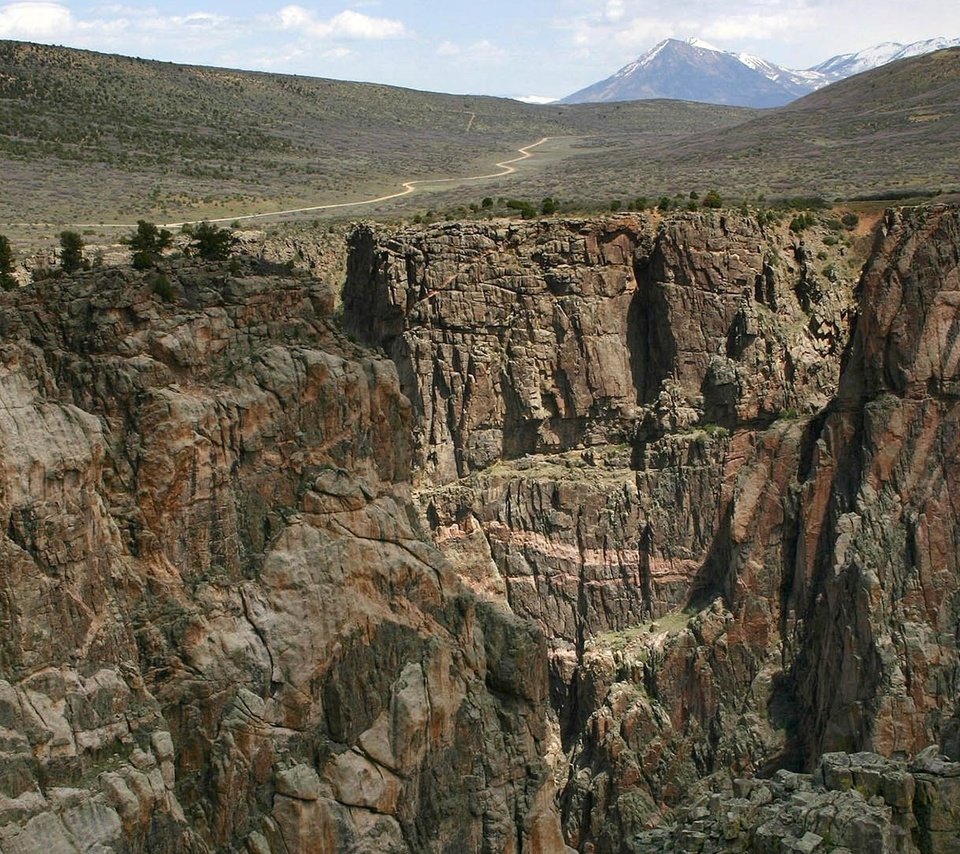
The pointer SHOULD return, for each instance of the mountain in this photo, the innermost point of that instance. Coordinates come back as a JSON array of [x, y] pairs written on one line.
[[891, 130], [689, 71], [696, 71], [847, 64]]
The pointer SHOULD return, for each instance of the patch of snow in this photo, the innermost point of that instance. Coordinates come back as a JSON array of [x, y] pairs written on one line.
[[535, 99], [647, 58], [700, 43]]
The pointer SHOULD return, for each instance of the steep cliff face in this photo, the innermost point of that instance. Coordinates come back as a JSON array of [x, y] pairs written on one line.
[[638, 437], [221, 627], [879, 663], [538, 338], [690, 512]]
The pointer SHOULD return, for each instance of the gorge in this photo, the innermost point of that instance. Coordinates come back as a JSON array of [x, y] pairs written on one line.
[[538, 532]]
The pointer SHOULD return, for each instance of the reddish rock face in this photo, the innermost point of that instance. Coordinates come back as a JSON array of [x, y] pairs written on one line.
[[639, 438], [220, 628], [671, 538], [539, 338]]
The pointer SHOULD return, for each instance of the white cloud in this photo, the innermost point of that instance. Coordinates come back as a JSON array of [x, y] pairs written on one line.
[[40, 20], [479, 51], [356, 25], [345, 25], [754, 25], [620, 30], [642, 33], [615, 10], [194, 22]]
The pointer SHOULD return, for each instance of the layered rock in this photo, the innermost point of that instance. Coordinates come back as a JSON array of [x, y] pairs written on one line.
[[639, 438], [222, 628]]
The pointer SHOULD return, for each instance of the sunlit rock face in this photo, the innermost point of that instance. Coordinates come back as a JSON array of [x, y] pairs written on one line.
[[710, 461], [221, 627]]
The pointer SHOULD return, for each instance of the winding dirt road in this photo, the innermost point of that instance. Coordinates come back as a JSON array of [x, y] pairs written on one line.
[[506, 167]]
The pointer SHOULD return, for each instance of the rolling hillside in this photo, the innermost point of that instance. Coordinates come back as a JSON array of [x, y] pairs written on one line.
[[87, 139]]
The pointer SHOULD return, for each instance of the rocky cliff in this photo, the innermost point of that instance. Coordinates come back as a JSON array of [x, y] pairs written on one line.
[[549, 529], [221, 627], [730, 514]]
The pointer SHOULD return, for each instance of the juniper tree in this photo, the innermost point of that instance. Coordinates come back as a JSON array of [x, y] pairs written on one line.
[[147, 242], [71, 251], [211, 243], [7, 282]]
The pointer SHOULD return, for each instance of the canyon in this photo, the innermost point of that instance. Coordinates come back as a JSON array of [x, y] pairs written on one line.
[[621, 533]]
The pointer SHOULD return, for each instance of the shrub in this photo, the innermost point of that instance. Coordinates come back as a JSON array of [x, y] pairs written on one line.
[[162, 288], [524, 208], [713, 200], [549, 206], [615, 205], [801, 222], [487, 203], [850, 220]]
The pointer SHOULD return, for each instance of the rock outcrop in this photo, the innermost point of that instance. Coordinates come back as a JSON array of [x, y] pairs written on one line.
[[640, 438], [221, 627], [538, 338], [573, 524], [853, 802]]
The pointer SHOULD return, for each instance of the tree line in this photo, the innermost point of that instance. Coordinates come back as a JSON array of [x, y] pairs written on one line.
[[146, 243]]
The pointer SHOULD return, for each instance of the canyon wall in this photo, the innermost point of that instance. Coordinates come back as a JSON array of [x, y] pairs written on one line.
[[717, 476], [221, 626], [549, 528]]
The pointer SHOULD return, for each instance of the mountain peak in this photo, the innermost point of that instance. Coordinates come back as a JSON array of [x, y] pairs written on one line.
[[695, 70], [687, 70]]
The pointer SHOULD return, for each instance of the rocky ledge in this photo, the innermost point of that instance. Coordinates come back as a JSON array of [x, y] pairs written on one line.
[[853, 802]]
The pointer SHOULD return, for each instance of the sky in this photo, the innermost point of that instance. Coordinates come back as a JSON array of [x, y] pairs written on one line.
[[515, 48]]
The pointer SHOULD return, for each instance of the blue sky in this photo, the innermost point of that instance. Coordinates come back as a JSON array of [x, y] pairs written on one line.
[[497, 47]]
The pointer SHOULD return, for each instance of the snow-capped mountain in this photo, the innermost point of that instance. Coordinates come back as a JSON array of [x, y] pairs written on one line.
[[848, 64], [688, 71], [694, 70]]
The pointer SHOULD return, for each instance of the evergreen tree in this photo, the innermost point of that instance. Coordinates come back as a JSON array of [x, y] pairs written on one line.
[[147, 243], [71, 251], [7, 282], [211, 243]]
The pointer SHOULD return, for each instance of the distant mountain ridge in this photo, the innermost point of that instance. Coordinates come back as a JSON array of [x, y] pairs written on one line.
[[694, 70]]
